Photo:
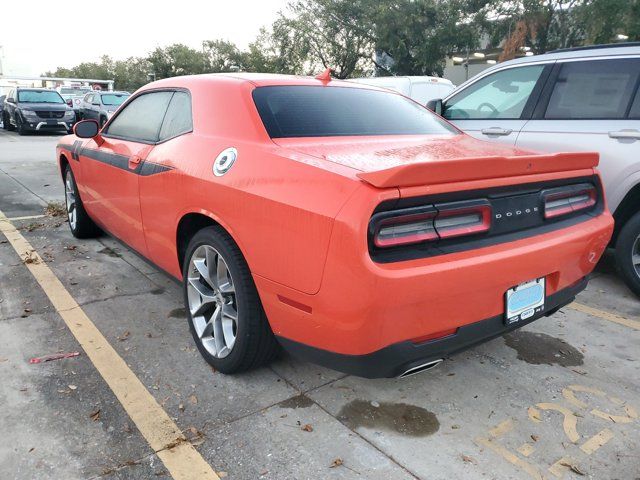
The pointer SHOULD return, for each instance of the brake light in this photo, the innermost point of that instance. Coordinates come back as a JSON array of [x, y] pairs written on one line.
[[406, 229], [427, 224], [457, 222], [566, 200]]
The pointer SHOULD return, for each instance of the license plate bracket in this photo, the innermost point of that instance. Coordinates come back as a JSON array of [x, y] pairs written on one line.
[[525, 301]]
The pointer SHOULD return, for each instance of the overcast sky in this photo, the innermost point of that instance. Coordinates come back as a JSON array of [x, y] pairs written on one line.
[[45, 35]]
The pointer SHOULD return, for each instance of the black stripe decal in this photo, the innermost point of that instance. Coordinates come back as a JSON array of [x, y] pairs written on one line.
[[145, 168]]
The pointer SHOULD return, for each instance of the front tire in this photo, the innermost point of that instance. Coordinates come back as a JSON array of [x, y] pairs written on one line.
[[628, 253], [224, 311], [80, 223], [6, 122], [20, 126]]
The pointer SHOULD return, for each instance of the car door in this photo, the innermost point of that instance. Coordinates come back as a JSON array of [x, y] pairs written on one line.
[[160, 202], [498, 104], [111, 166], [592, 105]]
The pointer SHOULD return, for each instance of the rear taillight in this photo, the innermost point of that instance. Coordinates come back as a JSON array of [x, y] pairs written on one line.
[[460, 221], [427, 224], [570, 199], [406, 229]]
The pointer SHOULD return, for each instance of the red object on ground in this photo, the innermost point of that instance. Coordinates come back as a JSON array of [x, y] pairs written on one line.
[[55, 356]]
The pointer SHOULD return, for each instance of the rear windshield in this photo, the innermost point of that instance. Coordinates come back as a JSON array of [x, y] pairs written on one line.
[[114, 98], [39, 96], [310, 111]]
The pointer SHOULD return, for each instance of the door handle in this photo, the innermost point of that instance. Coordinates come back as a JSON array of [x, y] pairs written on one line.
[[633, 134], [496, 131], [134, 161]]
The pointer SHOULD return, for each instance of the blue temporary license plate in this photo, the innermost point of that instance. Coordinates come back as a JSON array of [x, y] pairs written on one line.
[[524, 301]]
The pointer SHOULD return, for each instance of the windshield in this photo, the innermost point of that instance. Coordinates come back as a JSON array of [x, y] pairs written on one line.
[[114, 99], [309, 111], [73, 91], [39, 96]]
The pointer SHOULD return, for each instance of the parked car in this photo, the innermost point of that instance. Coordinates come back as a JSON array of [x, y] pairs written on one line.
[[422, 89], [2, 106], [73, 95], [101, 106], [345, 222], [36, 109], [568, 100]]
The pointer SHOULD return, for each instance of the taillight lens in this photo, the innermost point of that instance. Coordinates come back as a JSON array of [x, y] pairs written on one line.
[[566, 200], [457, 222], [406, 229], [426, 224]]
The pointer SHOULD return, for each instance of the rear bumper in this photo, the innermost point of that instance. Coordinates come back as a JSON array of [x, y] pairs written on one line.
[[394, 360]]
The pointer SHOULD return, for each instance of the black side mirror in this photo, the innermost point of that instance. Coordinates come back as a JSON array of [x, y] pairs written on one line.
[[435, 105], [86, 129]]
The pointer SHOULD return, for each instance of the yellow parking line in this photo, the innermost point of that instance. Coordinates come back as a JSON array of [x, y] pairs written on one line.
[[611, 317], [180, 458]]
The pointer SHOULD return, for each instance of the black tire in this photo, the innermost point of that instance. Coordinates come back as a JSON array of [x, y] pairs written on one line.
[[83, 227], [7, 123], [20, 126], [255, 344], [628, 245]]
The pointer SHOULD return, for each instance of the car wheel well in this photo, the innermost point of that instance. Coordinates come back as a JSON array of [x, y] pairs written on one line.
[[188, 226], [627, 209], [63, 165]]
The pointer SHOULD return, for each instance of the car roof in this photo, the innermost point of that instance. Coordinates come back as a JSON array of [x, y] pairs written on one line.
[[256, 79], [111, 92]]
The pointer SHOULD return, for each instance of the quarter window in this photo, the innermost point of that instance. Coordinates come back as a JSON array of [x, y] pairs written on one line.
[[502, 95], [178, 118], [599, 89], [141, 119]]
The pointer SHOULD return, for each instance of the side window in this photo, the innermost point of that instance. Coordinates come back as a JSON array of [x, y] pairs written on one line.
[[599, 89], [178, 118], [635, 108], [502, 95], [141, 119]]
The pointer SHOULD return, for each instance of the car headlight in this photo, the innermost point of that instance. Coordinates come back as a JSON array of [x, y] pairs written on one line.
[[69, 114], [29, 113]]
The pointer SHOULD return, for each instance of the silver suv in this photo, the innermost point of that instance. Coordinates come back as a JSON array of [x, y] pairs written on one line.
[[582, 99]]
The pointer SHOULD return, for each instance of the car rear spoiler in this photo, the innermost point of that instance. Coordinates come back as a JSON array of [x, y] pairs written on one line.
[[480, 168]]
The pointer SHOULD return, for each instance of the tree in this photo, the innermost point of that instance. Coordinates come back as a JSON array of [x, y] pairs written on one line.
[[177, 59], [322, 34], [417, 34], [604, 19]]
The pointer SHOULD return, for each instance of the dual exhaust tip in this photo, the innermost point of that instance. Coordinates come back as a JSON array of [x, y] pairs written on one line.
[[421, 368]]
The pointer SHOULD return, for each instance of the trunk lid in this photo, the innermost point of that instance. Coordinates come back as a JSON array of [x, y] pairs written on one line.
[[407, 161]]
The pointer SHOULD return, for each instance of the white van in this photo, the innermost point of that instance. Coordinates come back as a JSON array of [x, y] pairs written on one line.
[[420, 89]]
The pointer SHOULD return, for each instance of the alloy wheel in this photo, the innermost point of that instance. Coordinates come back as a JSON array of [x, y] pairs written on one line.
[[635, 255], [70, 199], [212, 301]]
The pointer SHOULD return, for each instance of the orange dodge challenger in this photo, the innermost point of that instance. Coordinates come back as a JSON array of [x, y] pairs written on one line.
[[346, 223]]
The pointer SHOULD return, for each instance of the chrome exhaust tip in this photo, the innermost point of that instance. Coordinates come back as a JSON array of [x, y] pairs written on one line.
[[421, 368]]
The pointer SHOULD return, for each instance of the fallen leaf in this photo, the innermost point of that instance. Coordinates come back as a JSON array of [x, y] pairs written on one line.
[[72, 387], [3, 360], [573, 467], [124, 336], [307, 428], [535, 438], [469, 459], [95, 416], [193, 400], [32, 449], [181, 407], [336, 463]]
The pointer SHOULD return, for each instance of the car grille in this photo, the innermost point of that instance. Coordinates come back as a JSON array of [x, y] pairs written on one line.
[[50, 114]]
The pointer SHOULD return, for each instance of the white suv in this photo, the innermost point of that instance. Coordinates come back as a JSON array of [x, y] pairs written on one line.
[[583, 99]]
